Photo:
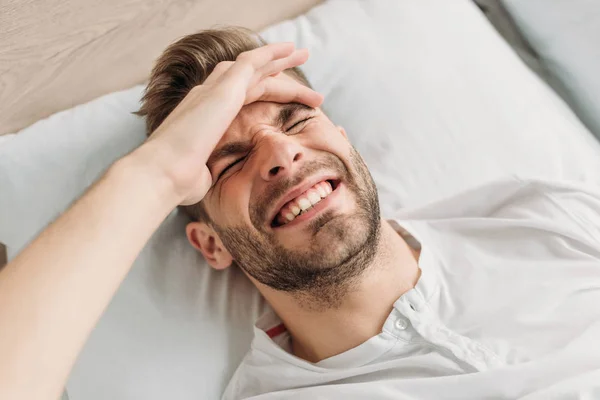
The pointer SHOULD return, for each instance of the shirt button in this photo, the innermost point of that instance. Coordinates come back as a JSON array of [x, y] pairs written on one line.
[[401, 324]]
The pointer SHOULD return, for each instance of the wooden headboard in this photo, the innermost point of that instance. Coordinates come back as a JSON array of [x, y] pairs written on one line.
[[55, 54]]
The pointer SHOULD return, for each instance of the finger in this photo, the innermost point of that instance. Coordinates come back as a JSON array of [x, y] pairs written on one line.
[[284, 90], [218, 71], [267, 53], [298, 57], [247, 63]]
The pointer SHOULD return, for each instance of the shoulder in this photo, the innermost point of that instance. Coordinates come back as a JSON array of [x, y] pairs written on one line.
[[574, 204], [500, 195], [568, 207], [260, 372], [268, 356]]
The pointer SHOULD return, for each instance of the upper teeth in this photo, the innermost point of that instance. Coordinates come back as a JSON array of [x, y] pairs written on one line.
[[304, 202]]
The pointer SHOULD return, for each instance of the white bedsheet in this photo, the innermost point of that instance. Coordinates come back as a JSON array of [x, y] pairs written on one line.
[[430, 95]]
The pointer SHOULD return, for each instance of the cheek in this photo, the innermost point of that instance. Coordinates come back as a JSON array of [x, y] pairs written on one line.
[[331, 140], [230, 201]]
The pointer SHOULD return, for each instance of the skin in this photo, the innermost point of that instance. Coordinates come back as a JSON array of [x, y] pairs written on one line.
[[55, 290], [337, 271], [53, 293], [279, 160]]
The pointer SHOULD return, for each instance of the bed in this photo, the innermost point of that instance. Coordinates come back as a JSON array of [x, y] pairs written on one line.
[[434, 107]]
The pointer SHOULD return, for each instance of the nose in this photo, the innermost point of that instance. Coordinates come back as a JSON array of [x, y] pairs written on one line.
[[282, 156]]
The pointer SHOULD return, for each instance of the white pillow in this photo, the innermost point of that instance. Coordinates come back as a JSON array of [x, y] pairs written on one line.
[[430, 95], [565, 34]]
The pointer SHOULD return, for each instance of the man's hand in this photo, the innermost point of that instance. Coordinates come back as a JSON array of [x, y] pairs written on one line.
[[54, 291], [189, 134]]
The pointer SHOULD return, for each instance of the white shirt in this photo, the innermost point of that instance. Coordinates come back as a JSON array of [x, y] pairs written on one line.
[[507, 307]]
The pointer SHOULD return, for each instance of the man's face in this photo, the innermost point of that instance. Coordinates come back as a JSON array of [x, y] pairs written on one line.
[[292, 200]]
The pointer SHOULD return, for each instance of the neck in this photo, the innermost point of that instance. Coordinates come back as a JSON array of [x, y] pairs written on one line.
[[364, 309]]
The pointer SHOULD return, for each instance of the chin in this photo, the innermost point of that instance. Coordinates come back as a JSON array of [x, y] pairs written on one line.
[[334, 240]]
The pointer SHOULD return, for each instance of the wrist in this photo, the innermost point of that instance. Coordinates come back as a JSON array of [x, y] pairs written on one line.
[[145, 166]]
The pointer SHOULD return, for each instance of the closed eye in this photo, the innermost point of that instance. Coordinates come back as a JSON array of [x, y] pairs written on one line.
[[229, 166], [297, 123], [244, 157]]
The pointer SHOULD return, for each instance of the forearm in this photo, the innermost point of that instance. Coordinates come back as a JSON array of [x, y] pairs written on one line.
[[53, 292]]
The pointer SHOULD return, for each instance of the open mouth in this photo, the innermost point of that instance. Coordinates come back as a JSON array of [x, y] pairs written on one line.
[[304, 203]]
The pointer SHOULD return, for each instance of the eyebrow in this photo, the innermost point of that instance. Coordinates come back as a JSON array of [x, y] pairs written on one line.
[[287, 111], [285, 114], [229, 149]]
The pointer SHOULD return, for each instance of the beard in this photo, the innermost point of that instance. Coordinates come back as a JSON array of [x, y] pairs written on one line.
[[339, 249]]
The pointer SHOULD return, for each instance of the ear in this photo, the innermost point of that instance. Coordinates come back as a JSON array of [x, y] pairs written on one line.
[[342, 131], [204, 238]]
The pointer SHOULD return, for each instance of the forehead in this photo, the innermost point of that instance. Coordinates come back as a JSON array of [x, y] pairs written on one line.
[[260, 115], [251, 115], [254, 115]]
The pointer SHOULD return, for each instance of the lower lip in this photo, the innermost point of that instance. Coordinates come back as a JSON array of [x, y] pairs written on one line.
[[317, 208]]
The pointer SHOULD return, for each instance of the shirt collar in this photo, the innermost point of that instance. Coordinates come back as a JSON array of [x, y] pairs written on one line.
[[271, 336]]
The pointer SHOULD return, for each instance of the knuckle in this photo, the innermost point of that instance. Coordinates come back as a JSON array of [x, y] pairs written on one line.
[[245, 67], [222, 66], [243, 56]]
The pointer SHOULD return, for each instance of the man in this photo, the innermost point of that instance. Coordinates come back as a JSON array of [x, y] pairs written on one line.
[[493, 293]]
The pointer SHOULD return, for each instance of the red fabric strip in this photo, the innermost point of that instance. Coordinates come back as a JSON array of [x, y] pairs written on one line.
[[275, 331]]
